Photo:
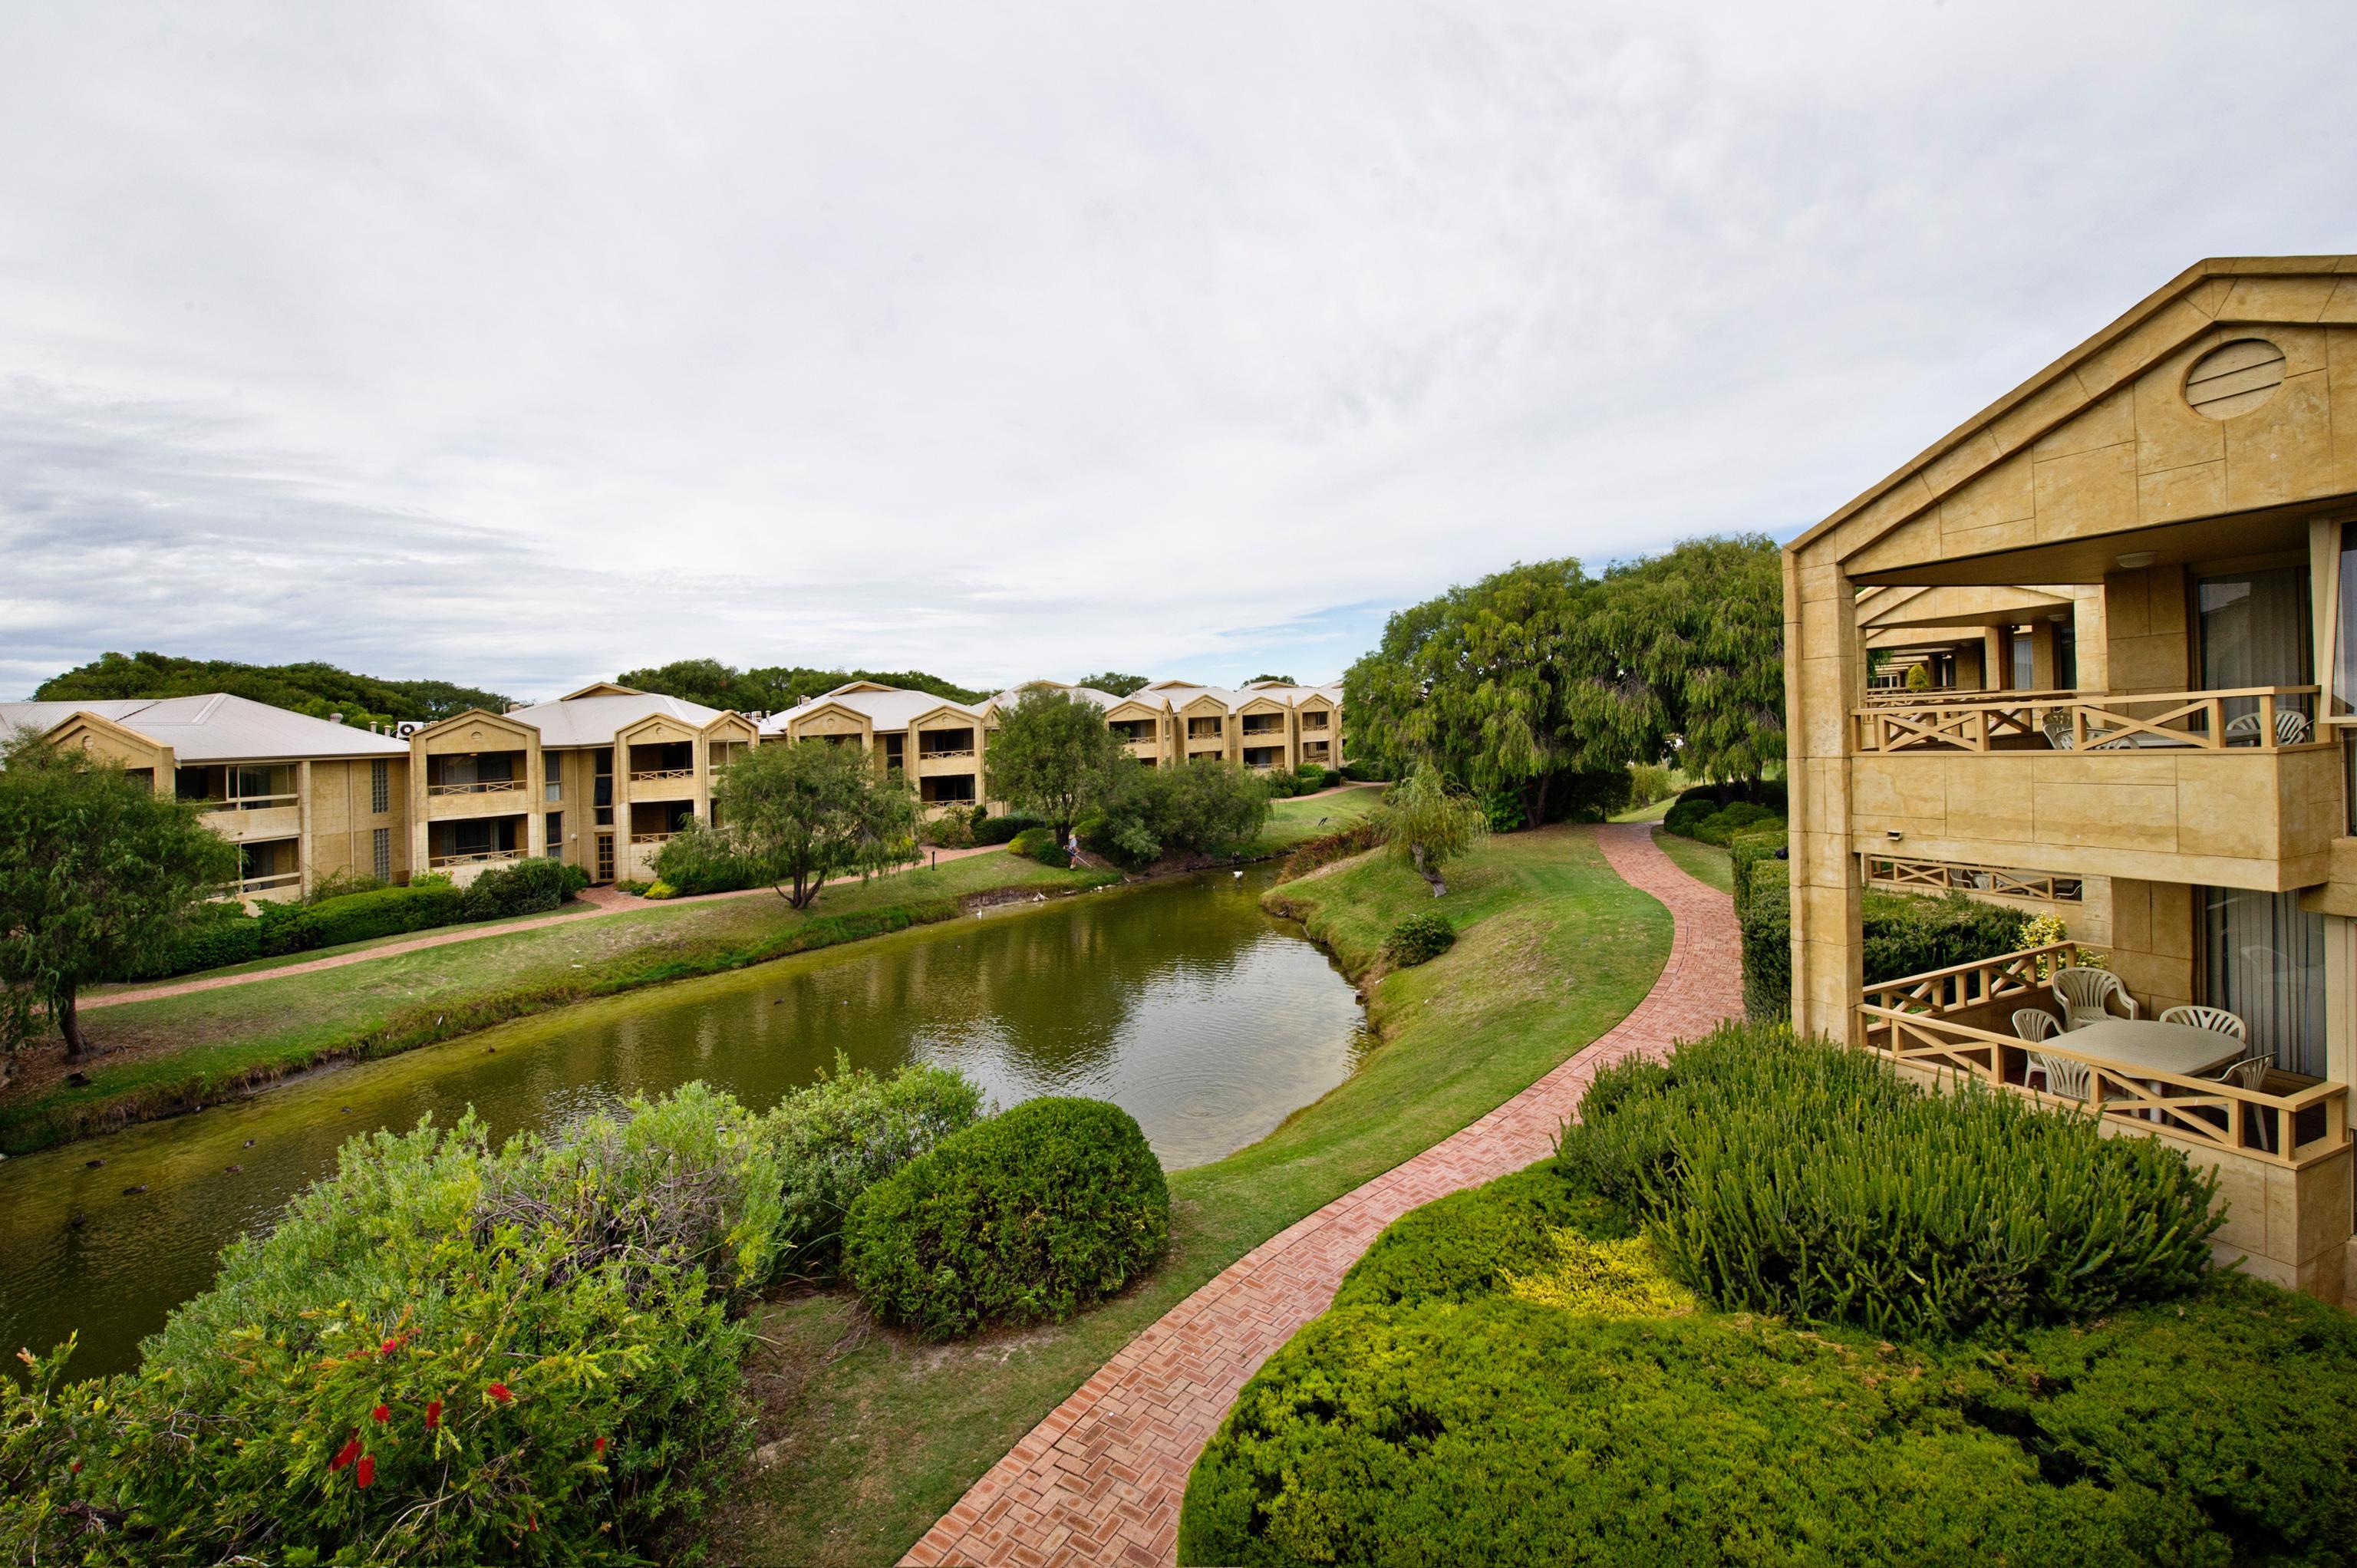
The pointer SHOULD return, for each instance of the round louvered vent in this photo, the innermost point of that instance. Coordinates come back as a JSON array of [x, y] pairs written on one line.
[[2234, 379]]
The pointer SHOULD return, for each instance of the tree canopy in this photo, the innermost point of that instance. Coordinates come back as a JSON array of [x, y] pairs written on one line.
[[773, 688], [1120, 685], [309, 688], [98, 874], [1054, 756], [810, 811], [1540, 671], [1280, 680], [1204, 806]]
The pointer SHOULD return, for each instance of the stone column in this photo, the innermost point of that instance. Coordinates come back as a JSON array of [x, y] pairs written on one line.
[[1822, 660]]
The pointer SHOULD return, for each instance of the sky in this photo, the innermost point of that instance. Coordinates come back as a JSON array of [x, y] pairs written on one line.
[[522, 344]]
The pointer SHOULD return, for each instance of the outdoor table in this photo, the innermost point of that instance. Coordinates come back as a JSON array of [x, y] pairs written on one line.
[[2178, 1049]]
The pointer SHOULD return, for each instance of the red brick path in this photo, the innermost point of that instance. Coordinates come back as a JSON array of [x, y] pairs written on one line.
[[1100, 1480]]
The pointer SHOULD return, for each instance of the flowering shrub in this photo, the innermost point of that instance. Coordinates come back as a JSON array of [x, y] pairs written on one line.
[[448, 1352]]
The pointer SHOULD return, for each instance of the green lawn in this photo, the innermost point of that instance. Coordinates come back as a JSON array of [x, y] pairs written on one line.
[[1704, 861], [881, 1434]]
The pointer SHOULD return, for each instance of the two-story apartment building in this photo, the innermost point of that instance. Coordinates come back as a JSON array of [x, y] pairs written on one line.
[[599, 779], [1266, 725], [934, 743], [2187, 479], [300, 797]]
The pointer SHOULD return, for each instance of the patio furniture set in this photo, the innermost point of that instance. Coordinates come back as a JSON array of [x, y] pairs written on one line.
[[2189, 1042]]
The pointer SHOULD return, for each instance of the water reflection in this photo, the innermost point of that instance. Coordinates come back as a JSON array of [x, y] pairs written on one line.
[[1183, 1002]]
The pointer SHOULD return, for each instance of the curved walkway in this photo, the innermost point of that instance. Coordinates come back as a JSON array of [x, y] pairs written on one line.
[[1101, 1479]]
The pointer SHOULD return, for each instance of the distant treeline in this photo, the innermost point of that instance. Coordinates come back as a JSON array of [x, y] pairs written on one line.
[[775, 687], [310, 688]]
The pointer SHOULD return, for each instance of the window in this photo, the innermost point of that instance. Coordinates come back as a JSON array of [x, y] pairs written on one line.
[[895, 752], [553, 761], [555, 846], [2025, 669], [2263, 957], [2066, 657], [380, 787], [2344, 631], [2254, 632], [603, 760], [381, 852]]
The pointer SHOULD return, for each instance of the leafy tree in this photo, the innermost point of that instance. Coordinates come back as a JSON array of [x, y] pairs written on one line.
[[1504, 684], [1698, 633], [1426, 823], [1206, 805], [98, 876], [309, 688], [814, 810], [1118, 684], [1280, 680], [774, 688], [1054, 756]]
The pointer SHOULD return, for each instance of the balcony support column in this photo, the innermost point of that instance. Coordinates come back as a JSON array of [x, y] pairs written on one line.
[[1824, 665], [303, 828]]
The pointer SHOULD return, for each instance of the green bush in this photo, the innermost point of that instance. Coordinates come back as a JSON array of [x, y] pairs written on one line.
[[1311, 854], [1724, 825], [531, 886], [1446, 1411], [1588, 795], [1701, 803], [1906, 934], [1796, 1177], [1003, 830], [699, 859], [359, 918], [954, 829], [1503, 809], [1202, 807], [1028, 1217], [1648, 782], [842, 1134], [1039, 844], [1366, 773], [444, 1353], [1765, 931], [1419, 939]]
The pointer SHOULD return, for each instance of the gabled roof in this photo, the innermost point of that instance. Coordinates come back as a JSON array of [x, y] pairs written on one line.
[[885, 708], [601, 689], [215, 727], [2221, 292], [595, 720]]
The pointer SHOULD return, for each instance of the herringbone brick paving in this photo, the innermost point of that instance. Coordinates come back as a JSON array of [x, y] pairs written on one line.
[[1100, 1480]]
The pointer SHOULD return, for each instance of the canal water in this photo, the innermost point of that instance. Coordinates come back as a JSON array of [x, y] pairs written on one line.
[[1182, 1001]]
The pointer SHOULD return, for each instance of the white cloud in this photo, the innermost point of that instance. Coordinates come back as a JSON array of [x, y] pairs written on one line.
[[520, 344]]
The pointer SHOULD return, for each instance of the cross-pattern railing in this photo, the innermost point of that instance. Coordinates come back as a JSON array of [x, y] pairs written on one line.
[[2265, 718], [1953, 696], [2290, 1125], [652, 838], [475, 787], [474, 857], [1959, 876], [661, 774], [1960, 986]]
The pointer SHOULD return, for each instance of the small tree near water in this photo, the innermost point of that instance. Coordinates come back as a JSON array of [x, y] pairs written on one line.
[[813, 810], [98, 876], [1054, 757], [1428, 824]]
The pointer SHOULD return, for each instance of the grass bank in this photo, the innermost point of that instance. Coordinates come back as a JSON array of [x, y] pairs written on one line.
[[872, 1435], [175, 1054], [1703, 862]]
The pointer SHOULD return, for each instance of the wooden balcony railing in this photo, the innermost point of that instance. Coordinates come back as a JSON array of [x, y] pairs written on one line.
[[935, 756], [1956, 876], [252, 885], [661, 774], [1900, 697], [2263, 718], [652, 838], [480, 787], [249, 803], [474, 857], [2289, 1120]]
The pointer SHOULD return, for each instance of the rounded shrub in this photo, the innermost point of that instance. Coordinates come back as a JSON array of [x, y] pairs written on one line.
[[1039, 844], [1419, 939], [1029, 1216]]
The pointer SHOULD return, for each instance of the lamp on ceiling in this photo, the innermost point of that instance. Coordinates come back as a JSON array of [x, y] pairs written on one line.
[[2137, 560]]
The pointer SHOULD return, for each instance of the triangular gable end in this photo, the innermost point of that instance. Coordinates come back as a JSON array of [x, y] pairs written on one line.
[[109, 738], [466, 726], [601, 689]]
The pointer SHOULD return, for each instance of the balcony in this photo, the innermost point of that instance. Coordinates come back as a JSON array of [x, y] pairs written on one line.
[[282, 885], [472, 858], [1956, 1021], [255, 817], [2231, 789]]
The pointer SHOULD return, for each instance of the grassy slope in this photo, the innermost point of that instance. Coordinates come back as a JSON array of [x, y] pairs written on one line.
[[203, 1045], [1704, 862], [882, 1435]]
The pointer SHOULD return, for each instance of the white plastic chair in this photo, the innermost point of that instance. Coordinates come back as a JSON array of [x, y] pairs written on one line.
[[2034, 1024], [2084, 991], [2216, 1018], [2291, 727], [2065, 1078], [2251, 1073]]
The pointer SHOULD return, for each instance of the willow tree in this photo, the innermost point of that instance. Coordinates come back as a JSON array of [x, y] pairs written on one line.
[[1428, 824], [1697, 633], [813, 809], [1503, 684]]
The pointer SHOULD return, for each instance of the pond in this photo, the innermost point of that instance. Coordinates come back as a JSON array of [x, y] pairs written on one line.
[[1183, 1002]]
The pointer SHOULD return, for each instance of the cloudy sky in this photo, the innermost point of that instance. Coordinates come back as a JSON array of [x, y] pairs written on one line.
[[520, 344]]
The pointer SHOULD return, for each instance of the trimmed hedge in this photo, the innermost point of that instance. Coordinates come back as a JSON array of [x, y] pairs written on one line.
[[1455, 1406], [450, 1352], [1325, 850], [1003, 830], [1792, 1177], [1419, 939], [1903, 934], [1029, 1216]]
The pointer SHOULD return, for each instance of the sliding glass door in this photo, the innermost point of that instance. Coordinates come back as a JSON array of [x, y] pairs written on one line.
[[2264, 957]]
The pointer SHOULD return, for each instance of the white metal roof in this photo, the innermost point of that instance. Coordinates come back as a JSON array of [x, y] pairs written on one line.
[[887, 710], [593, 721], [215, 727]]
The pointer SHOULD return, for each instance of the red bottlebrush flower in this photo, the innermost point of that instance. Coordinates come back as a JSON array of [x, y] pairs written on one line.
[[598, 1447], [346, 1454], [500, 1392], [77, 1467], [381, 1412], [433, 1415], [390, 1346], [366, 1471]]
